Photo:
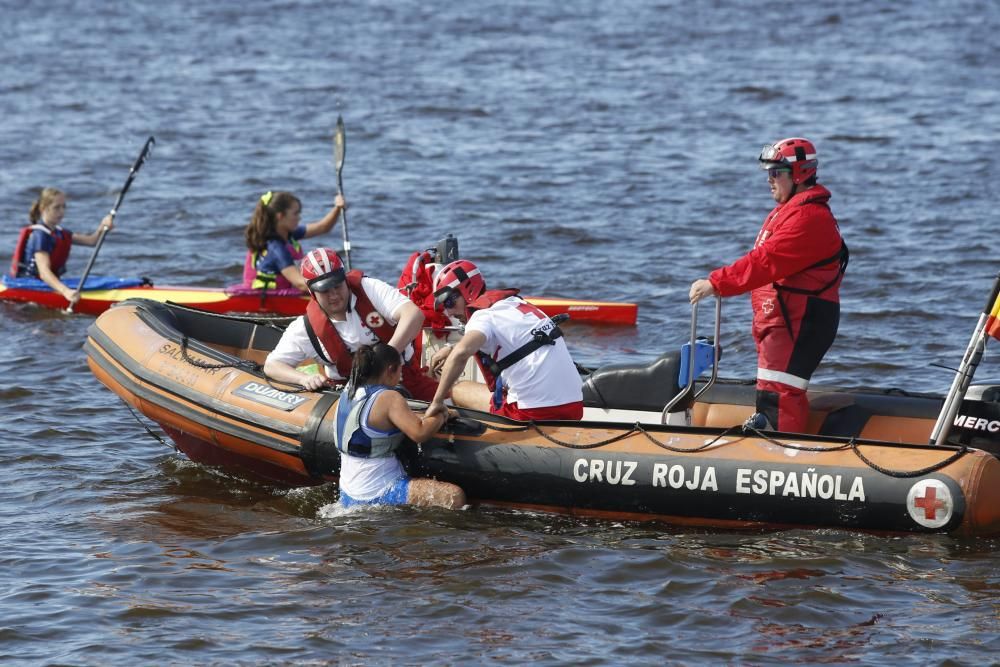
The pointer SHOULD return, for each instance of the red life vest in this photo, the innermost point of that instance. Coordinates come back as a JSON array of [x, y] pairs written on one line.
[[417, 282], [318, 324], [57, 258]]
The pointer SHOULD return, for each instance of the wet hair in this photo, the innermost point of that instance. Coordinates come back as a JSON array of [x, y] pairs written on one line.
[[45, 199], [264, 221], [370, 362]]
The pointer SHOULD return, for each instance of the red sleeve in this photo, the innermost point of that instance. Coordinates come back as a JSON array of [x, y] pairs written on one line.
[[808, 235]]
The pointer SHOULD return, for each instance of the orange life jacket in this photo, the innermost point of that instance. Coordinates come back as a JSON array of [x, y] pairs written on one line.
[[321, 329]]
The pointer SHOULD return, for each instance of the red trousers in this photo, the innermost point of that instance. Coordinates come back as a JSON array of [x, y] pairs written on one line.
[[566, 411], [787, 356]]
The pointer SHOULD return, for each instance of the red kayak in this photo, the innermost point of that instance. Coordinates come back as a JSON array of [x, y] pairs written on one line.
[[274, 302]]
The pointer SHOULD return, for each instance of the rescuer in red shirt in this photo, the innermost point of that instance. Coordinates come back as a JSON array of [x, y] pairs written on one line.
[[793, 274]]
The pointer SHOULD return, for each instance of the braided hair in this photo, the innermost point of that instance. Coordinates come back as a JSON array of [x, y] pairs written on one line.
[[370, 362]]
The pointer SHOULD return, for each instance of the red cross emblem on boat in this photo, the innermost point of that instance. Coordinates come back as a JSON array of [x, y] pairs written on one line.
[[929, 503], [767, 307]]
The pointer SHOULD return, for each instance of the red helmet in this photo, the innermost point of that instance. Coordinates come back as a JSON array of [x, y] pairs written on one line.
[[797, 153], [460, 276], [322, 270]]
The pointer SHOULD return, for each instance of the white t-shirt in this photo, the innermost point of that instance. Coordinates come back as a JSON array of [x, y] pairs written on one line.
[[546, 377], [295, 346], [367, 479]]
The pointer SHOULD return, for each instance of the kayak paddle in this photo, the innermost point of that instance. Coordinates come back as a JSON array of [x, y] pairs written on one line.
[[339, 148], [147, 148]]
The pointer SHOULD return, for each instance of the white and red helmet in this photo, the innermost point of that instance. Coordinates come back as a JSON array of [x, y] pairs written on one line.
[[322, 270], [796, 153], [460, 276]]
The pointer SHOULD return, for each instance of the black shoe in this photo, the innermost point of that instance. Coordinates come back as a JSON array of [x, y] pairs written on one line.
[[757, 422]]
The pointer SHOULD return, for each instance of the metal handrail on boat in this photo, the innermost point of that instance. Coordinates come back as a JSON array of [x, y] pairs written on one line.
[[692, 351]]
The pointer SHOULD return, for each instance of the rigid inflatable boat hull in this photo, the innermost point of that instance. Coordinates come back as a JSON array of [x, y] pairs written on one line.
[[197, 375], [740, 481]]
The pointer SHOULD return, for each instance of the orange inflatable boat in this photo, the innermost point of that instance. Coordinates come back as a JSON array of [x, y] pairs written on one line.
[[646, 449]]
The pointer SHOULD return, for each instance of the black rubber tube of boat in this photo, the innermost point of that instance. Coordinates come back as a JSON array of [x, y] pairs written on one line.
[[147, 148], [319, 454], [339, 150]]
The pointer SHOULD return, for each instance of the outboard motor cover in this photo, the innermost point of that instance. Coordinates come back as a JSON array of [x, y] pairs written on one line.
[[977, 423]]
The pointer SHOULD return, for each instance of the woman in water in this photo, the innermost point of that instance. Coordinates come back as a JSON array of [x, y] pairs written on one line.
[[373, 420]]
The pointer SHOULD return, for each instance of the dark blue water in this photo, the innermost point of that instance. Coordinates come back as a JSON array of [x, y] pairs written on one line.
[[587, 149]]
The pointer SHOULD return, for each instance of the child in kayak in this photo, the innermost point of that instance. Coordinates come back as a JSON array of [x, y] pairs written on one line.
[[43, 246], [273, 236]]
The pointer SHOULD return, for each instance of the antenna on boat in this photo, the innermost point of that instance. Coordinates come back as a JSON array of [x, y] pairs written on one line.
[[967, 369]]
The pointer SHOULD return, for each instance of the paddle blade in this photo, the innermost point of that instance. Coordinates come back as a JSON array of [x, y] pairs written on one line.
[[147, 150], [339, 145]]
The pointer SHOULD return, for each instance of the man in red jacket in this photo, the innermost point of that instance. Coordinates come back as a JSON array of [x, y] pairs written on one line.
[[793, 274]]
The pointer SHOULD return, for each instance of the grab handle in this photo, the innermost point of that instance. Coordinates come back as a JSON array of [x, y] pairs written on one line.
[[692, 351]]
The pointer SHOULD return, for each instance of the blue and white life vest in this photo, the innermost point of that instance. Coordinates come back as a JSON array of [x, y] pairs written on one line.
[[354, 435]]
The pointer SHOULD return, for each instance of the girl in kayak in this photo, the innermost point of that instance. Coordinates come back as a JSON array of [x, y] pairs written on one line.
[[273, 236], [43, 246], [373, 420]]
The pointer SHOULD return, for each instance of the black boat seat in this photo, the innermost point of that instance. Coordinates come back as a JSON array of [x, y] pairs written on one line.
[[647, 387]]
